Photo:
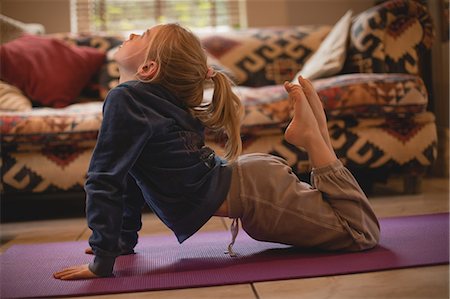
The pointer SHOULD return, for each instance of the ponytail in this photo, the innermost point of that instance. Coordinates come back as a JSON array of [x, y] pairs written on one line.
[[225, 111], [183, 70]]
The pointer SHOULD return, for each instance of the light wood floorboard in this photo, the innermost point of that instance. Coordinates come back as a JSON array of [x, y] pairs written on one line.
[[417, 283], [240, 291]]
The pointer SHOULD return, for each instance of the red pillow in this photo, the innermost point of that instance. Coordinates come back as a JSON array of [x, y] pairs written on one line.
[[49, 71]]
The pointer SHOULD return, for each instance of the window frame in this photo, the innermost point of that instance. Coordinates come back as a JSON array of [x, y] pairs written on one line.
[[82, 21]]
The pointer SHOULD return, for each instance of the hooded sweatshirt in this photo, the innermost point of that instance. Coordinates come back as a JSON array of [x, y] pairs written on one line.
[[149, 134]]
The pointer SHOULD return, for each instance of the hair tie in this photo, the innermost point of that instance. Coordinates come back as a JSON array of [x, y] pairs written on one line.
[[210, 73]]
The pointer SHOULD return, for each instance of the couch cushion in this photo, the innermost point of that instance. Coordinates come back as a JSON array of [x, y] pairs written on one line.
[[46, 168], [372, 95], [109, 74], [266, 107], [12, 99], [101, 42], [47, 70], [386, 142], [392, 37], [393, 144], [329, 59], [215, 64], [78, 122], [264, 56]]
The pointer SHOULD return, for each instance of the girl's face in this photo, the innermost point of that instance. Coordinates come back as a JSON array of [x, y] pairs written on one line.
[[132, 53]]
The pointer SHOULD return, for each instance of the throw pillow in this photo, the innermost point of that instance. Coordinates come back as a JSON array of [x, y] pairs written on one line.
[[218, 66], [97, 88], [109, 73], [12, 99], [49, 71], [329, 59]]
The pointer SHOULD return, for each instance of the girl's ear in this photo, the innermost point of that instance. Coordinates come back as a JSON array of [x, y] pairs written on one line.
[[148, 70]]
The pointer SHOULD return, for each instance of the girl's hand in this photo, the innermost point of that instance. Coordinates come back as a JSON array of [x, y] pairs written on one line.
[[75, 272]]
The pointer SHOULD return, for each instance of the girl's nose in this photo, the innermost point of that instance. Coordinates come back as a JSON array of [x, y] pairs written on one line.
[[132, 35]]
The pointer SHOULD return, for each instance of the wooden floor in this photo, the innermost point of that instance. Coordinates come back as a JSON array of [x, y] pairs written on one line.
[[423, 282]]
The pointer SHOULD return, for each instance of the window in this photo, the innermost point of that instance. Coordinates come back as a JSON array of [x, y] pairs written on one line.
[[138, 15]]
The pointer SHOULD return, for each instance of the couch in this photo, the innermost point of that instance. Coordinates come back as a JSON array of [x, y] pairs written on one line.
[[375, 101]]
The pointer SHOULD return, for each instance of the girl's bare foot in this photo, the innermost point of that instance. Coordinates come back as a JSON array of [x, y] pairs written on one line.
[[313, 100], [316, 106], [303, 127]]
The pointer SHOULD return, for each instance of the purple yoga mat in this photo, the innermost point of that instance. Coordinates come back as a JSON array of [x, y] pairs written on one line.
[[161, 263]]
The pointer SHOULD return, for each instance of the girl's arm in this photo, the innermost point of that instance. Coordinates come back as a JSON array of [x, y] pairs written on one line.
[[123, 134]]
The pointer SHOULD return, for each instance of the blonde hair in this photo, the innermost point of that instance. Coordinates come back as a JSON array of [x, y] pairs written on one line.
[[182, 68]]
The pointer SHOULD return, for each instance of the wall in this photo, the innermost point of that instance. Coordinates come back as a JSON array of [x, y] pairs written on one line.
[[53, 14], [440, 92], [301, 12], [260, 12]]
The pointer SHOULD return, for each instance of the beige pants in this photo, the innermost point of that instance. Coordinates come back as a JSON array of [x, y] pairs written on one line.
[[275, 206]]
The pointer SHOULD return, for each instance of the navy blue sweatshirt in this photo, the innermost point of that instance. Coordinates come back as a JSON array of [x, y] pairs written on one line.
[[147, 134]]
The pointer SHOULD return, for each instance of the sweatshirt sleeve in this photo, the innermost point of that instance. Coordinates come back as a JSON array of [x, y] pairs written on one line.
[[123, 134]]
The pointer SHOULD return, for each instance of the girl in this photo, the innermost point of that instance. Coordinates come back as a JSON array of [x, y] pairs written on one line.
[[151, 150]]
